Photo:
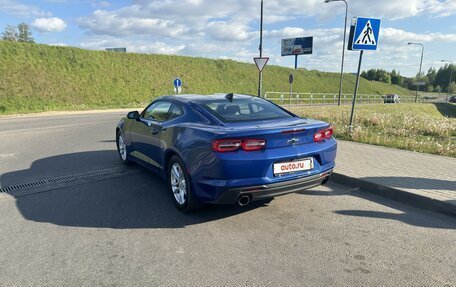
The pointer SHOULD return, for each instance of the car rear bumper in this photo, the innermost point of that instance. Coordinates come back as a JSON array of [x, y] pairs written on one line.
[[260, 192]]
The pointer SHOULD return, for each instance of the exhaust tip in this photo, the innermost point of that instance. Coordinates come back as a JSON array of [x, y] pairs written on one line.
[[244, 200], [325, 181]]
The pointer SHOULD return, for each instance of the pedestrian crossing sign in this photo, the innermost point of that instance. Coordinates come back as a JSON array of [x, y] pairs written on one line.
[[365, 34]]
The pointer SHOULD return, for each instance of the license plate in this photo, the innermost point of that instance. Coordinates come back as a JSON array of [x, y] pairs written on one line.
[[293, 166]]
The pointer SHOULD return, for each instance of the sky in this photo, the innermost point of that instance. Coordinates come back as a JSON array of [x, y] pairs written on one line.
[[229, 29]]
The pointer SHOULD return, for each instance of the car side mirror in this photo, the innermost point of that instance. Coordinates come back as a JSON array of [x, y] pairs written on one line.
[[133, 115]]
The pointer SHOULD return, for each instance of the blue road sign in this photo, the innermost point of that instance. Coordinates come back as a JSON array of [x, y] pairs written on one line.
[[365, 36], [177, 83]]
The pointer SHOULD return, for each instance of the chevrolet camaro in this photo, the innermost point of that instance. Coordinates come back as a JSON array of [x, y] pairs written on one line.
[[226, 149]]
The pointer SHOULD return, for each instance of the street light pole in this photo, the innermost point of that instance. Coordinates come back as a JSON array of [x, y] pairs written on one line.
[[451, 76], [343, 48], [260, 79], [421, 64]]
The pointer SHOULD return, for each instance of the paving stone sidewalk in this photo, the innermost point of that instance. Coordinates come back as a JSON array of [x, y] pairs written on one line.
[[429, 176]]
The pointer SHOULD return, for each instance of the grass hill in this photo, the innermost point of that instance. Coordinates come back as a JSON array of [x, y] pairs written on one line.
[[35, 77]]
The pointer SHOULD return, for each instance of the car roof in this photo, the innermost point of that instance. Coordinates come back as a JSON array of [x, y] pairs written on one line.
[[196, 98]]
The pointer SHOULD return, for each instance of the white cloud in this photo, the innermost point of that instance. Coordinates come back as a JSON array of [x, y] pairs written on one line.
[[17, 8], [392, 36], [103, 22], [102, 4], [46, 25], [394, 9], [442, 9], [225, 31]]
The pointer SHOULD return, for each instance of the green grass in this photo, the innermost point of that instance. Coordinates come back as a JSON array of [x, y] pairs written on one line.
[[35, 78], [428, 128]]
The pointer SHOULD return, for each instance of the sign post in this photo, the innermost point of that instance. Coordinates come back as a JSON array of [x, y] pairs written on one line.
[[290, 80], [177, 85], [356, 91], [296, 47], [261, 63], [260, 74], [364, 34]]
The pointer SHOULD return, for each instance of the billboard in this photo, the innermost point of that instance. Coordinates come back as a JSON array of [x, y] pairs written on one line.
[[119, 50], [297, 46]]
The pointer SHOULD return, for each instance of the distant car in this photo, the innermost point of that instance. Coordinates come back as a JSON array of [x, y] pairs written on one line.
[[452, 99], [392, 99], [227, 149]]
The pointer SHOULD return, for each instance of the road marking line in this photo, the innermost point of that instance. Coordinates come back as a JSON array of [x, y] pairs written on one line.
[[78, 125], [5, 155]]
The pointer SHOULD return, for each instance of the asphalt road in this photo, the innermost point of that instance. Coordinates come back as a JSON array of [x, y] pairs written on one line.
[[120, 227]]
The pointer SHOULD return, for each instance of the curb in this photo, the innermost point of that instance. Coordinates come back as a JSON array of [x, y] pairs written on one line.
[[395, 194]]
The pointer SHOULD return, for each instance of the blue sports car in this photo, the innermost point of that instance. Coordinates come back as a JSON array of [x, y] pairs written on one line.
[[227, 149]]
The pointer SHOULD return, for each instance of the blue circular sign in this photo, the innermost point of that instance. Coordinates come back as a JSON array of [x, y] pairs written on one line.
[[177, 83]]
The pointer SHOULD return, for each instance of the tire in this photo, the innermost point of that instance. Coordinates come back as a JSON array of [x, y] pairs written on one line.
[[179, 186], [122, 149]]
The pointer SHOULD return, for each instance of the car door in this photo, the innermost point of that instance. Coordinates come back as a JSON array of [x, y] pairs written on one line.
[[145, 133]]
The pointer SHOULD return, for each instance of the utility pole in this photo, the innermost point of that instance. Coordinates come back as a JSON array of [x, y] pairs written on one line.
[[343, 48], [421, 64], [260, 78]]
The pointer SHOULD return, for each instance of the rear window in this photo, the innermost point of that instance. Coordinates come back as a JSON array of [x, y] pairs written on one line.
[[244, 110]]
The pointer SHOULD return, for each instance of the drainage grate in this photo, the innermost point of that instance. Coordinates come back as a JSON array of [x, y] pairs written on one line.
[[60, 179]]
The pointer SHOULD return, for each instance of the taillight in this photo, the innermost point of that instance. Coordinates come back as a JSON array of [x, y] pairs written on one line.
[[227, 145], [328, 133], [323, 134], [318, 137], [252, 145]]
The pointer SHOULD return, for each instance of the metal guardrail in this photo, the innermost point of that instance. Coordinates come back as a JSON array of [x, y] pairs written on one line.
[[320, 99]]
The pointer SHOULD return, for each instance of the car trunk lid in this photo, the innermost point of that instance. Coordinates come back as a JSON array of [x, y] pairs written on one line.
[[277, 133]]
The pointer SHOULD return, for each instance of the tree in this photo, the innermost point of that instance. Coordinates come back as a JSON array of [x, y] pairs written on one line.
[[408, 83], [430, 88], [371, 74], [19, 33], [25, 33], [385, 78], [10, 33], [396, 78], [438, 89], [452, 88], [443, 76], [431, 75]]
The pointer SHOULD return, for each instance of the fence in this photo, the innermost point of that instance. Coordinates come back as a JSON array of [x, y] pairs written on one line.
[[309, 99]]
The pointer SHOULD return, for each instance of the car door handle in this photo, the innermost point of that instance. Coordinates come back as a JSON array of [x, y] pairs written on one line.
[[155, 131], [145, 122]]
